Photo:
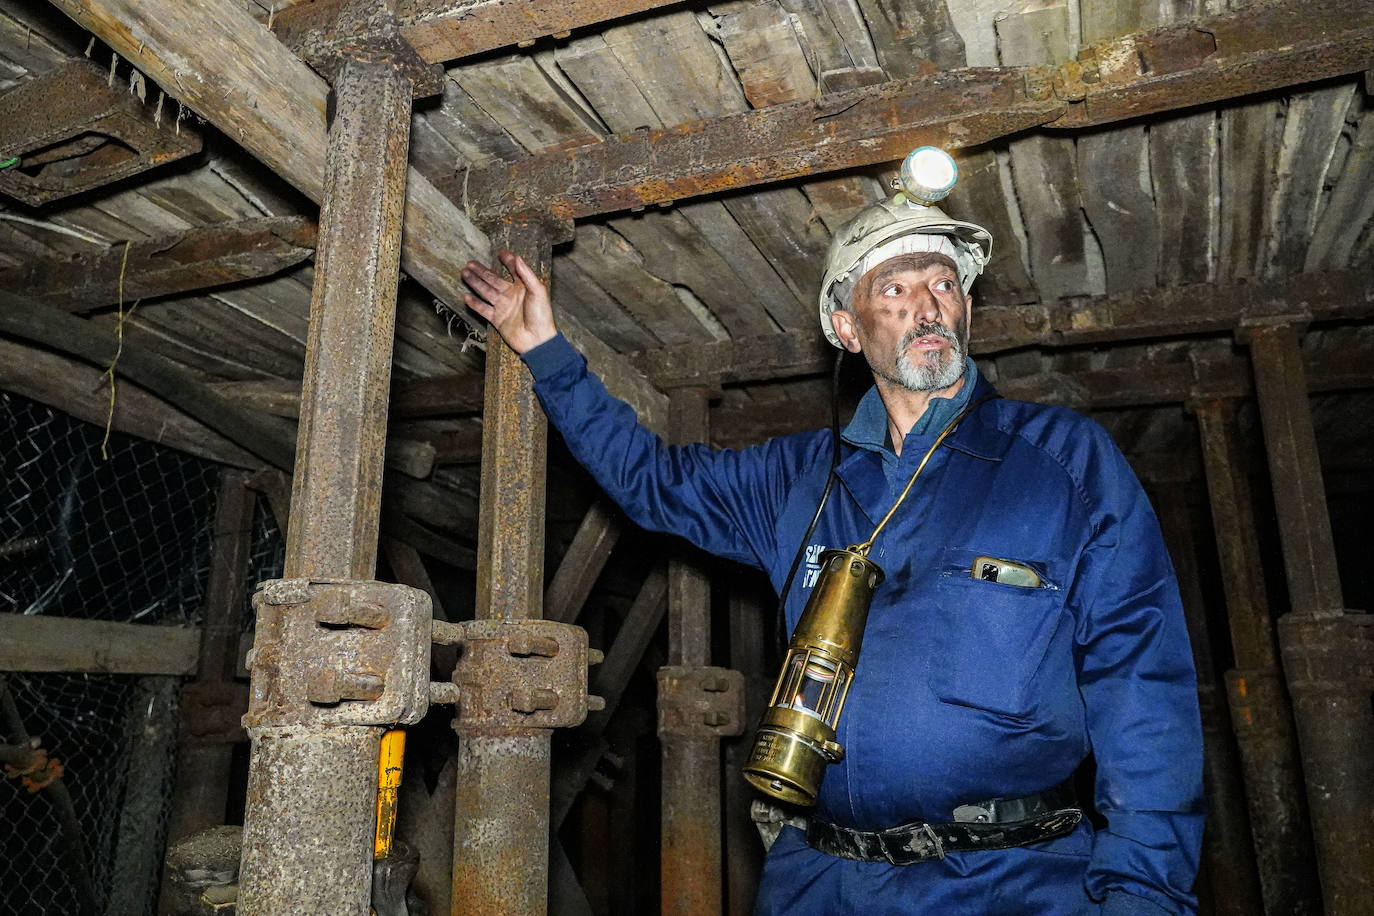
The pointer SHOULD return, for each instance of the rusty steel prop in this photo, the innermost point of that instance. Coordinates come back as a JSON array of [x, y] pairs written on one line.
[[339, 658], [77, 128], [516, 681], [1328, 650]]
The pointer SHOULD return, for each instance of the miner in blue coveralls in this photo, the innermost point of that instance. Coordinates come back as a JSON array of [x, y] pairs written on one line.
[[1029, 616]]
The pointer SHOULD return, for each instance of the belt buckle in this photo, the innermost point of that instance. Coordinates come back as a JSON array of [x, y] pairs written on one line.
[[922, 844]]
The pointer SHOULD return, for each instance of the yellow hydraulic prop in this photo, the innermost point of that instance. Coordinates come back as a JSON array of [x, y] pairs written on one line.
[[388, 784]]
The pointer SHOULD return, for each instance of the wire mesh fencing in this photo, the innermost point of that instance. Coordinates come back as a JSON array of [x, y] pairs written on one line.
[[124, 538]]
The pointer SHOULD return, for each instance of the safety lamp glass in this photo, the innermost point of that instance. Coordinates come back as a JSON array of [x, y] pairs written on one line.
[[927, 175], [796, 740]]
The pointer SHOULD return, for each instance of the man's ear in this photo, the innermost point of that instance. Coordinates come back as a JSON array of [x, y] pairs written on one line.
[[844, 325]]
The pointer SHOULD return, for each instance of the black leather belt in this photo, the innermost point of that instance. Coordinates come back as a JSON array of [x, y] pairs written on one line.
[[999, 823]]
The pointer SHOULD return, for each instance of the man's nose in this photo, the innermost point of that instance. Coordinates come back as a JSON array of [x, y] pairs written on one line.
[[925, 305]]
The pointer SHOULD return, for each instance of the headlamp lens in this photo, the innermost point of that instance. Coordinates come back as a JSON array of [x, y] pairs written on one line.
[[928, 174]]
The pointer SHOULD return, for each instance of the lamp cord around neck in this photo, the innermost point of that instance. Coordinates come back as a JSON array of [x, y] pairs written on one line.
[[950, 427]]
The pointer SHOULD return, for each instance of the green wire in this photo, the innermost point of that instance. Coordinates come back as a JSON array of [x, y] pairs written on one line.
[[5, 165]]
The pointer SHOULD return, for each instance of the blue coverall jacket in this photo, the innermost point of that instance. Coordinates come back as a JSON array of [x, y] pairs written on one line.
[[966, 689]]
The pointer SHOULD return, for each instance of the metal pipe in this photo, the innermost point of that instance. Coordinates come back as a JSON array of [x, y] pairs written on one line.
[[690, 872], [1326, 650], [501, 815], [308, 824]]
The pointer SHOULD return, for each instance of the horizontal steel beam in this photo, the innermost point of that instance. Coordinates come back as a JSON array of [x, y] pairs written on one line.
[[1256, 49], [179, 263], [443, 30], [1179, 311]]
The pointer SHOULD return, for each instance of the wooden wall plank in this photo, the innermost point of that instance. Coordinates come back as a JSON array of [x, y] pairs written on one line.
[[37, 643], [1350, 206], [597, 309], [1031, 34], [1312, 128]]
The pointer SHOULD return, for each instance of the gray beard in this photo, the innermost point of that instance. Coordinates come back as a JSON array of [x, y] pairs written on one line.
[[926, 372]]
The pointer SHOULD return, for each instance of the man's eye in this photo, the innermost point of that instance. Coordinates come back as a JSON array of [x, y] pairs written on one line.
[[893, 290], [945, 286]]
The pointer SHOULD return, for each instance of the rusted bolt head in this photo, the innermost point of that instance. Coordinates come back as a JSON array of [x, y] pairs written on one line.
[[523, 643], [531, 699], [595, 657], [714, 684], [715, 718], [595, 703]]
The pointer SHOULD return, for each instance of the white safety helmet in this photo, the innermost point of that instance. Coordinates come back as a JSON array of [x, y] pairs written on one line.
[[889, 228]]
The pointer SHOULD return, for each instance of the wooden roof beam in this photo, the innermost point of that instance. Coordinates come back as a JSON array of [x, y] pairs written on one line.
[[1255, 49], [444, 30], [213, 56], [1179, 311], [179, 263]]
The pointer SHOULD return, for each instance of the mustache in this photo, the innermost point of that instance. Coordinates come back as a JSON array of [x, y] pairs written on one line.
[[928, 329]]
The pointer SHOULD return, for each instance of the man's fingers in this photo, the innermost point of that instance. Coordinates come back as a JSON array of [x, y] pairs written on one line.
[[525, 273]]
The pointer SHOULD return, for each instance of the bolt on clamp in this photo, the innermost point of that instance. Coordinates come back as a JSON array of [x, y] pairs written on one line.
[[339, 652], [520, 673]]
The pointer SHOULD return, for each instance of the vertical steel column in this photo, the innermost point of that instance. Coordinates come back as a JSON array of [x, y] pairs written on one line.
[[501, 819], [1260, 711], [1328, 654], [1227, 851], [308, 825], [690, 805]]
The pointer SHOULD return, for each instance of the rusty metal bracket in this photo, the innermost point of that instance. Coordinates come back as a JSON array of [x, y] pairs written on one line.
[[339, 652], [74, 129], [367, 30], [520, 673], [698, 702]]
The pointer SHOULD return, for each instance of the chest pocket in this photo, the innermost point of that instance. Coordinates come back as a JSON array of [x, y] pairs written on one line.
[[990, 638]]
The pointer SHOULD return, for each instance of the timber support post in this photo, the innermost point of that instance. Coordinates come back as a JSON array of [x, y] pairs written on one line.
[[338, 657], [697, 706], [519, 676], [1327, 650], [212, 703], [1261, 713]]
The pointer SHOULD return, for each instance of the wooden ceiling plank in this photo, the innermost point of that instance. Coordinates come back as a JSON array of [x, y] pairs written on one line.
[[229, 70], [1183, 172], [207, 326], [765, 48], [674, 250], [619, 268], [601, 313], [980, 198], [261, 435], [837, 39], [602, 78], [444, 30], [696, 83], [1262, 47], [1248, 137], [1043, 167], [171, 264], [913, 38], [520, 98]]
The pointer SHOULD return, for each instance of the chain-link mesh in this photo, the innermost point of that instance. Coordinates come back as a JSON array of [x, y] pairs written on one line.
[[123, 538]]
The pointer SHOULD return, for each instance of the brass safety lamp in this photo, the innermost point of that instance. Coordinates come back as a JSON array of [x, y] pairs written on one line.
[[796, 739]]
